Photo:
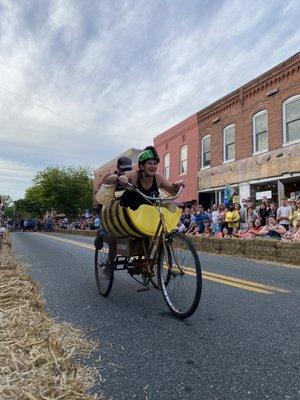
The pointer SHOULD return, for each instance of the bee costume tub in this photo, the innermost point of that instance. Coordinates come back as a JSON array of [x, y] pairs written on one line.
[[123, 222]]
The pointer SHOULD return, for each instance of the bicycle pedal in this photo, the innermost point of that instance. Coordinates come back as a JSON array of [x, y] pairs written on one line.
[[144, 289]]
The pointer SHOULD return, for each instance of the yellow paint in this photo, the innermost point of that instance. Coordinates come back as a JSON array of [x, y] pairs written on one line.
[[210, 276], [146, 218]]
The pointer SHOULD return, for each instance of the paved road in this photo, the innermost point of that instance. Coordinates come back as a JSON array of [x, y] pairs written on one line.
[[242, 343]]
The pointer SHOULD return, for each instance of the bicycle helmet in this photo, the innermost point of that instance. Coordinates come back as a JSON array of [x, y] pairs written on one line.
[[148, 154], [124, 164]]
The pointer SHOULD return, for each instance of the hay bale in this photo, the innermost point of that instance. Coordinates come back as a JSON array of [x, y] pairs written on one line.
[[232, 246], [36, 353], [262, 249]]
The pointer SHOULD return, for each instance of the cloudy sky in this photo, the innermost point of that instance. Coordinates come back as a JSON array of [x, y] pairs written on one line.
[[84, 80]]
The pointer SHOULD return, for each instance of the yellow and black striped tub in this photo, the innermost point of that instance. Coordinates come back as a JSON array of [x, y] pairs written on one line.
[[123, 222]]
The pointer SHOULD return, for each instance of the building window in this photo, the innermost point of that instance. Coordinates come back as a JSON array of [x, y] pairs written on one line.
[[291, 120], [260, 132], [229, 143], [205, 157], [167, 165], [183, 160]]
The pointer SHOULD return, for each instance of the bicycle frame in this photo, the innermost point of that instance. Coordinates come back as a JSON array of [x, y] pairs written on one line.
[[159, 238]]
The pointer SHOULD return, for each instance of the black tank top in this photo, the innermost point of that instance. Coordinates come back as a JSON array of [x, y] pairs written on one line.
[[152, 191]]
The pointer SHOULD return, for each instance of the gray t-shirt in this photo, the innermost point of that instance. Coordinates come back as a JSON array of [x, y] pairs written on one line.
[[284, 211]]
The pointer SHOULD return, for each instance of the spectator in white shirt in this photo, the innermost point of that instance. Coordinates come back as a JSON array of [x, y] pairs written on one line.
[[283, 214]]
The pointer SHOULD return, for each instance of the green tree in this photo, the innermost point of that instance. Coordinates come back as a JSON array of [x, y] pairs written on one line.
[[67, 190], [8, 205]]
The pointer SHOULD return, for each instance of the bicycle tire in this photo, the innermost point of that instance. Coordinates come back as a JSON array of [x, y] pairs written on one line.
[[155, 280], [104, 284], [180, 250]]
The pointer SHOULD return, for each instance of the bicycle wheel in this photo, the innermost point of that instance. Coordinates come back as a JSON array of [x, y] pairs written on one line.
[[179, 275], [104, 274], [155, 279]]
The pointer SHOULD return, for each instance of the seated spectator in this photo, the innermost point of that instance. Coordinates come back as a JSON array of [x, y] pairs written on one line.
[[272, 230], [235, 232], [250, 233], [193, 229], [226, 233], [293, 218], [207, 232], [294, 233], [181, 227], [186, 218], [250, 215], [201, 216], [255, 231], [206, 229]]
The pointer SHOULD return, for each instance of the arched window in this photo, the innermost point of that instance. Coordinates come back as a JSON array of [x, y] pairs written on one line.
[[229, 143], [205, 152], [291, 120], [183, 160], [167, 165], [260, 132]]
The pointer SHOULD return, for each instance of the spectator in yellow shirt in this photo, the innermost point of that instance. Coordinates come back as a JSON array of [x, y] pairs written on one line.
[[295, 214], [232, 218]]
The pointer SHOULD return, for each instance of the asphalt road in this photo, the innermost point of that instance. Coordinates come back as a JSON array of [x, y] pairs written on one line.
[[242, 343]]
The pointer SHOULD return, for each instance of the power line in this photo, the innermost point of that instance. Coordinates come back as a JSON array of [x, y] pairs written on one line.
[[45, 108]]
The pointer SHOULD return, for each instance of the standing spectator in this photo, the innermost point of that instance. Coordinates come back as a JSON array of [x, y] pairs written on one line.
[[243, 210], [222, 217], [272, 210], [264, 200], [295, 215], [201, 216], [251, 215], [215, 219], [291, 203], [97, 222], [232, 218], [262, 213], [283, 214]]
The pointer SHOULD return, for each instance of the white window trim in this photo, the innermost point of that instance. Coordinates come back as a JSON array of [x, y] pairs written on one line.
[[202, 152], [258, 114], [289, 100], [180, 160], [232, 159], [167, 165]]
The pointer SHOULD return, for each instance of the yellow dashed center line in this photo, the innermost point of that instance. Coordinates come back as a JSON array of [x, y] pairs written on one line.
[[210, 276]]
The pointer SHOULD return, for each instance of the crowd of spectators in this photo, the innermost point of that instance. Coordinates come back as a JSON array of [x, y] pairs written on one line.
[[244, 220], [52, 224], [233, 221]]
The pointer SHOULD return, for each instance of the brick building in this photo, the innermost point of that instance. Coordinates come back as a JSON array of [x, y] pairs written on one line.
[[249, 139]]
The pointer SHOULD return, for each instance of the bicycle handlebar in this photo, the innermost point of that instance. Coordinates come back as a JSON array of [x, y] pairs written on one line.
[[130, 186]]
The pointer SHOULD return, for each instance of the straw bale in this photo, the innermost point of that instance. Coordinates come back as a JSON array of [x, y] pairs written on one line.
[[232, 246], [36, 353]]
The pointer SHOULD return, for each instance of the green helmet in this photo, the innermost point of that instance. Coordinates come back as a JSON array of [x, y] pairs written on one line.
[[148, 154]]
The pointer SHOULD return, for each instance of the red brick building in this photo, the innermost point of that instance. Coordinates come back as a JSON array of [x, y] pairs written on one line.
[[249, 139]]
